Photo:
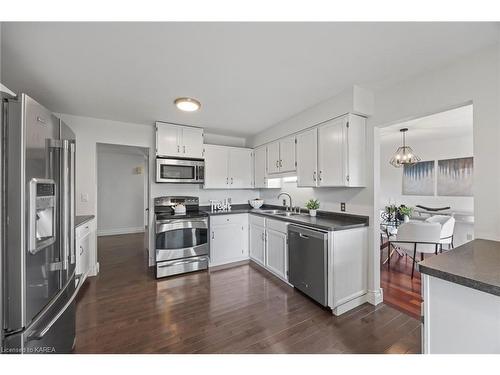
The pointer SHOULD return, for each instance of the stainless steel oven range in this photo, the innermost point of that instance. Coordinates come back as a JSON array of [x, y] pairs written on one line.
[[181, 240]]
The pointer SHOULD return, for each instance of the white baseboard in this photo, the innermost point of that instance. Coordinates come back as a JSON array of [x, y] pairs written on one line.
[[375, 296], [114, 232]]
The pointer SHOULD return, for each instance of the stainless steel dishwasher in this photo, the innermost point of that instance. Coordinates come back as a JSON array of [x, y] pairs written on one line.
[[307, 262]]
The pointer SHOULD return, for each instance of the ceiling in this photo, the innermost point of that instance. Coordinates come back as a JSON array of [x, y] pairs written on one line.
[[248, 76], [453, 123]]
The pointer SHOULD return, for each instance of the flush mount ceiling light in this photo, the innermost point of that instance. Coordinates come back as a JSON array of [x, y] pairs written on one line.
[[404, 155], [187, 104]]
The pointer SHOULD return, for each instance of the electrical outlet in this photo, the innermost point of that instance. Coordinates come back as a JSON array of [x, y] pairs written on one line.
[[84, 197], [284, 202], [342, 207]]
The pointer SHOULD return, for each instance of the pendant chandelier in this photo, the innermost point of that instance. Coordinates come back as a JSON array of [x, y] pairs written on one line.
[[404, 154]]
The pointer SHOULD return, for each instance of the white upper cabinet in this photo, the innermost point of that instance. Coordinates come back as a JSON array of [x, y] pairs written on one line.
[[273, 158], [341, 152], [281, 156], [192, 142], [228, 167], [240, 169], [179, 141], [216, 176], [307, 157], [260, 175]]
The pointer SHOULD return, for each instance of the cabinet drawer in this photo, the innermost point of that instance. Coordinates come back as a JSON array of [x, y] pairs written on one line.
[[228, 219], [277, 225], [258, 220]]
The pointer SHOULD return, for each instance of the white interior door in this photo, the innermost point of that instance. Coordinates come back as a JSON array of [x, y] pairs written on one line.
[[273, 157], [167, 140], [331, 153], [240, 168], [257, 243], [307, 157], [287, 154], [276, 252], [192, 142], [216, 167]]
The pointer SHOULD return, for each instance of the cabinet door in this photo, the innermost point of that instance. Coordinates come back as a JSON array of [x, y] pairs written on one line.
[[216, 161], [240, 168], [356, 151], [331, 153], [192, 142], [257, 243], [260, 167], [83, 254], [276, 252], [273, 157], [287, 154], [307, 156], [228, 241], [168, 140]]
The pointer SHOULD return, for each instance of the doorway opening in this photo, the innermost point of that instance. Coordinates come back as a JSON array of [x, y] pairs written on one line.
[[435, 188], [122, 204]]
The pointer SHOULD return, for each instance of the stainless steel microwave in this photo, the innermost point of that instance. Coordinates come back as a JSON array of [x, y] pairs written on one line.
[[180, 170]]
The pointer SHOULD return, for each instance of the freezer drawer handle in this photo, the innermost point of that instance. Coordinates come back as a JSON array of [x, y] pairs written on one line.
[[197, 260], [303, 235], [38, 335]]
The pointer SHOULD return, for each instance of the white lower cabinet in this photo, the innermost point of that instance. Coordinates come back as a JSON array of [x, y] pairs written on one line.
[[276, 251], [228, 239], [258, 243], [85, 247], [268, 244]]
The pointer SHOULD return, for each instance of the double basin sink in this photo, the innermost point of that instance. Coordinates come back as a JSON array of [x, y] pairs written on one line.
[[280, 213]]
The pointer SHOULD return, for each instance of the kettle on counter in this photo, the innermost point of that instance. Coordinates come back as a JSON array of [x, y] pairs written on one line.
[[179, 209]]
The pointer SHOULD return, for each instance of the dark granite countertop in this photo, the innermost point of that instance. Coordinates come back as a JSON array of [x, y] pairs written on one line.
[[82, 219], [324, 220], [475, 264]]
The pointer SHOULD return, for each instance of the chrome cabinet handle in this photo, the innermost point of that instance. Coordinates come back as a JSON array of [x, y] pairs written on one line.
[[227, 180], [314, 176], [277, 164], [231, 180], [281, 163], [184, 149], [320, 175], [213, 235], [81, 249], [41, 119]]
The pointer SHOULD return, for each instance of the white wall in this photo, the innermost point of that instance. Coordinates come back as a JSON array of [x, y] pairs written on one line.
[[391, 178], [121, 189], [91, 131]]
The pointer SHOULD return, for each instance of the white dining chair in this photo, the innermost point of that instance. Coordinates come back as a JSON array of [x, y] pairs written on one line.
[[447, 229], [418, 237]]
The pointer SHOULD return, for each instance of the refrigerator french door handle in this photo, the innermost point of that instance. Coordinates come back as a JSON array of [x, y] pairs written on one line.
[[72, 203], [38, 335], [64, 210]]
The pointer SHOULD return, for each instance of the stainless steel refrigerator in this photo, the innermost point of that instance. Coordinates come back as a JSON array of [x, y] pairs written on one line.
[[38, 215]]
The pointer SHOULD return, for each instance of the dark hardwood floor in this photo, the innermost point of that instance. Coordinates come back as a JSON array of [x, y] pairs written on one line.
[[400, 290], [236, 310]]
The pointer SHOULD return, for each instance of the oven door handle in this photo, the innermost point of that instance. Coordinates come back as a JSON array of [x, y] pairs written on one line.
[[179, 224]]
